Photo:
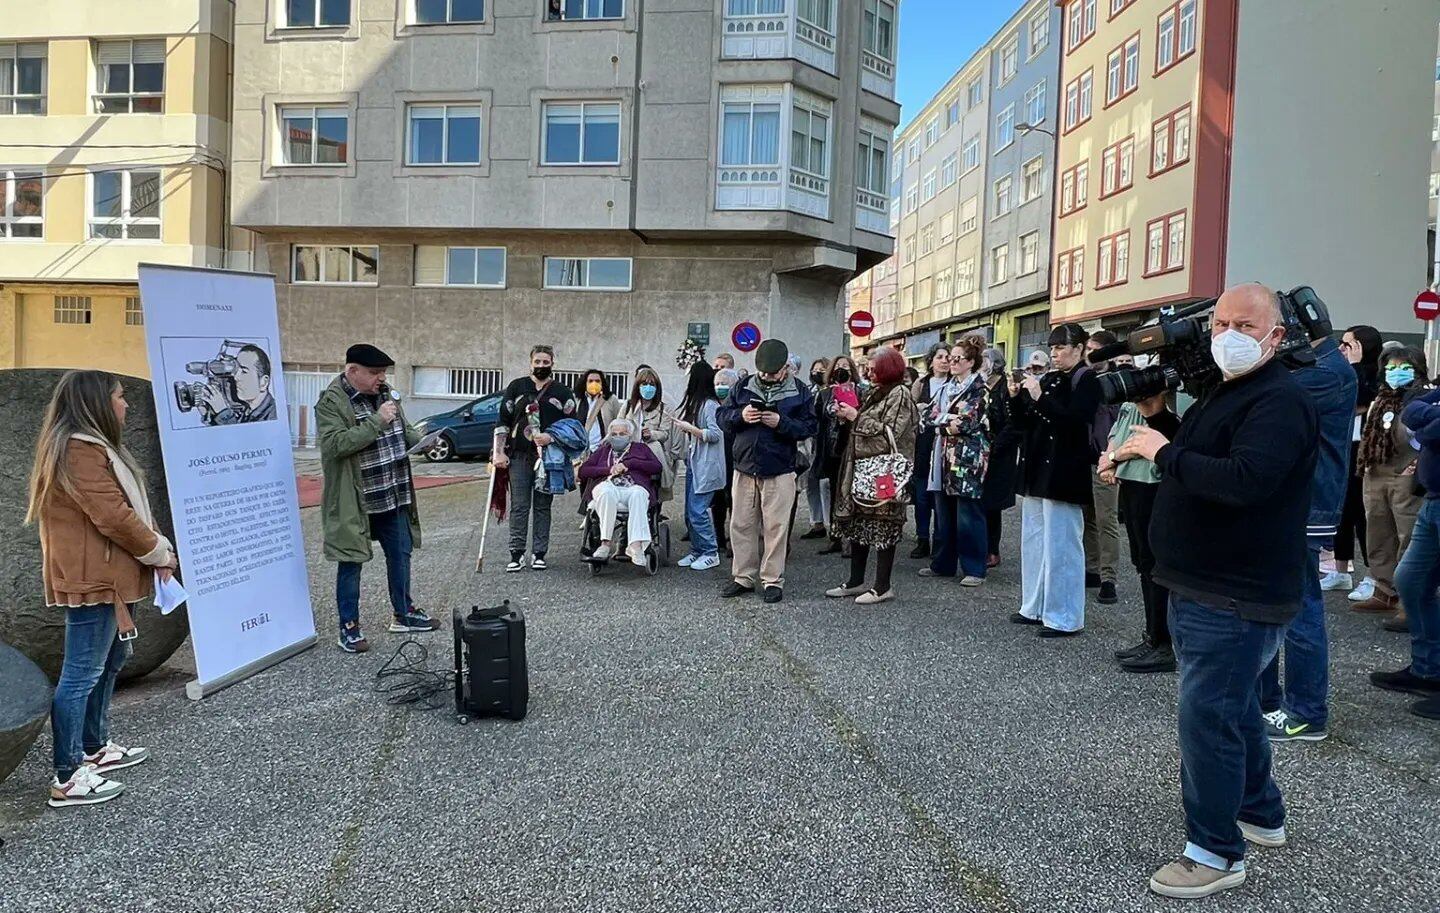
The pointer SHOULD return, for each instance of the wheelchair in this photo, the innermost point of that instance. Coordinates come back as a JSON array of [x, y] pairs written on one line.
[[657, 553]]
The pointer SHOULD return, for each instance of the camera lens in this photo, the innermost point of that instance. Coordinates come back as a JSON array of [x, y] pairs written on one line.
[[1130, 385]]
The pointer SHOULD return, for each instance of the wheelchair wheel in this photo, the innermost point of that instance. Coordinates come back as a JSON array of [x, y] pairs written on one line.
[[595, 567], [652, 561], [663, 542]]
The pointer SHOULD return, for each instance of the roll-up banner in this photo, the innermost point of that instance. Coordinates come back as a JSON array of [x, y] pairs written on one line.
[[213, 339]]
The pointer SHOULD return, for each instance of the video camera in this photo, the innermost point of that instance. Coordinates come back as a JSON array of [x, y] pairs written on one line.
[[219, 374], [1179, 342]]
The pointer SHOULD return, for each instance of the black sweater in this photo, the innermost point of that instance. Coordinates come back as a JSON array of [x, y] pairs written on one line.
[[1056, 453], [1234, 497]]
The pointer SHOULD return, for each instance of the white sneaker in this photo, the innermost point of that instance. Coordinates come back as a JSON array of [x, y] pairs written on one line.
[[1272, 716], [85, 787], [1366, 590], [636, 551], [602, 553], [1263, 836], [1335, 580], [115, 757], [705, 563], [688, 560]]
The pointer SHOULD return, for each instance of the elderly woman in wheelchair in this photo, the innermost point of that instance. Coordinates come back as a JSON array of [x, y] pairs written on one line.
[[621, 476]]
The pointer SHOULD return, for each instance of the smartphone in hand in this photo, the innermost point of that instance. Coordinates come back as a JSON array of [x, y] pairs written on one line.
[[845, 393]]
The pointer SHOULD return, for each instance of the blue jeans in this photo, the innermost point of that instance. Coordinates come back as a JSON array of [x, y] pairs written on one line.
[[80, 712], [1416, 578], [392, 530], [1052, 563], [1307, 658], [698, 519], [960, 536], [1224, 751]]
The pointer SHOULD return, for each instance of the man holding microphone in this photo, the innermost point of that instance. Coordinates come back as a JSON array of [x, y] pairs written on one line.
[[1229, 537]]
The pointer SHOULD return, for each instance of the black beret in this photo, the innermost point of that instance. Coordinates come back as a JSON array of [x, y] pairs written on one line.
[[367, 356], [771, 356]]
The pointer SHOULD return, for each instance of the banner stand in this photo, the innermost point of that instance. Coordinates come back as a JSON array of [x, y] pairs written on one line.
[[197, 689]]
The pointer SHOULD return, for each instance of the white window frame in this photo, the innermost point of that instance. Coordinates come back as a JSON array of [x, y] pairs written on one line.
[[131, 95], [974, 92], [444, 108], [927, 240], [126, 221], [912, 152], [869, 143], [970, 155], [1004, 195], [315, 23], [285, 112], [9, 179], [1029, 253], [870, 30], [449, 14], [545, 275], [1000, 264], [912, 198], [1004, 128], [1039, 179], [929, 186], [1035, 104], [972, 223], [14, 53], [801, 105], [950, 168], [932, 131], [965, 276], [325, 250], [947, 234], [1009, 60], [826, 26], [1039, 34], [446, 283], [584, 15], [584, 105]]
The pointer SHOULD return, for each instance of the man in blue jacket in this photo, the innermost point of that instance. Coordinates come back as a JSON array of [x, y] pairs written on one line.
[[769, 414], [1301, 710], [1418, 575]]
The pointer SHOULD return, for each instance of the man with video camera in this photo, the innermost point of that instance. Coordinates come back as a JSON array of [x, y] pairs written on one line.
[[1229, 537]]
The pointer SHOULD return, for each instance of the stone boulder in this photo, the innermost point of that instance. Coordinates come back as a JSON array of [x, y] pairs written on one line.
[[24, 705], [26, 623]]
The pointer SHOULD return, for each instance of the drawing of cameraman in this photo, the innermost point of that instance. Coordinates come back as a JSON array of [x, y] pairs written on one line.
[[252, 388]]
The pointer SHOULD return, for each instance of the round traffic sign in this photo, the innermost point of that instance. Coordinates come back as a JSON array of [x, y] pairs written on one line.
[[746, 336], [1427, 305], [861, 323]]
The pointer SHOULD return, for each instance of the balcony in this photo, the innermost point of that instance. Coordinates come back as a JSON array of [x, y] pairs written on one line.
[[877, 75], [753, 35], [775, 189], [872, 211]]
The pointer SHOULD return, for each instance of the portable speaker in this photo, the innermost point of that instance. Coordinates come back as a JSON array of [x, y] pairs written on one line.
[[491, 676]]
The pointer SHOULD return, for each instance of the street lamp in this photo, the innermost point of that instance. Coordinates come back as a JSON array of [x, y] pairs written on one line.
[[1023, 129]]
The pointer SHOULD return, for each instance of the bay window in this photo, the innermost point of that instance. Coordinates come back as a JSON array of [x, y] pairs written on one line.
[[125, 204]]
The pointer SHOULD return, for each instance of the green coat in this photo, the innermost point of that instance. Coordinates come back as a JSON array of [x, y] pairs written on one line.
[[342, 506]]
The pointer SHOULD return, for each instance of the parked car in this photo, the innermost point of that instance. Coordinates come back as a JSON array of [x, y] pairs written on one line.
[[468, 430]]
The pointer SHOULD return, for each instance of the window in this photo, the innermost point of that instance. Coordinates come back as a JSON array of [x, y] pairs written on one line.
[[750, 134], [947, 227], [1035, 105], [130, 77], [949, 170], [1029, 253], [1003, 201], [444, 12], [927, 239], [22, 78], [894, 212], [72, 309], [466, 382], [1113, 260], [444, 134], [999, 264], [965, 277], [928, 193], [1170, 141], [943, 285], [970, 155], [932, 132], [1005, 128], [1434, 185], [310, 14], [314, 136], [1009, 60], [22, 202], [909, 256], [974, 93], [1032, 179], [335, 265], [1435, 130], [1122, 74], [969, 215], [1117, 168], [603, 274], [924, 293], [1039, 33], [564, 10], [754, 7], [816, 12], [1119, 6], [912, 153], [134, 314], [1079, 99], [1074, 188], [1165, 244], [125, 204], [878, 28], [912, 198], [952, 112], [1175, 35], [476, 267], [1079, 22], [1070, 273], [870, 163], [582, 133]]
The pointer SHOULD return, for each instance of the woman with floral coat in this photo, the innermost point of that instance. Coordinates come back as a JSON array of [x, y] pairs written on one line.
[[962, 455]]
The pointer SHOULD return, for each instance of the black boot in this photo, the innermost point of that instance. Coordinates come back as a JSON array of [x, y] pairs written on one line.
[[921, 549]]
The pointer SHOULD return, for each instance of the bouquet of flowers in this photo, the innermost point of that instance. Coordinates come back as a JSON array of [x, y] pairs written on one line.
[[688, 354]]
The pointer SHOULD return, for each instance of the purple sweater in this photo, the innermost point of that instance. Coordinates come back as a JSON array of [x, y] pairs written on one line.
[[639, 459]]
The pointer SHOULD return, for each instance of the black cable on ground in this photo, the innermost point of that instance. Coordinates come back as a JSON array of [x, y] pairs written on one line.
[[406, 678]]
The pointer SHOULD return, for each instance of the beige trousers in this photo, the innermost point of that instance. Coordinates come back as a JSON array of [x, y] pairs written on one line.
[[760, 508], [1102, 529], [1391, 507]]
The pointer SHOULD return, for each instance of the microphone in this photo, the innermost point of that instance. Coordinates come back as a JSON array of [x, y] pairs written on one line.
[[1105, 353]]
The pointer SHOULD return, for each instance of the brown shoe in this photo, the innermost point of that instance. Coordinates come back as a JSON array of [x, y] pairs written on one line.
[[1379, 604], [1399, 624], [1187, 879]]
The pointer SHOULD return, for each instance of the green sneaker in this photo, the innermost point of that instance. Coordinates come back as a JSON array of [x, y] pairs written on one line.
[[1281, 727]]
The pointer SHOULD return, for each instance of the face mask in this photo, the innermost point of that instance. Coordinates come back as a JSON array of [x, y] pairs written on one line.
[[647, 392], [722, 391], [619, 441], [1236, 353], [593, 388], [817, 377], [840, 376], [542, 373], [1398, 376]]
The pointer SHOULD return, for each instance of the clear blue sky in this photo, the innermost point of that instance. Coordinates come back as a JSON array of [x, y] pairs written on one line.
[[936, 37]]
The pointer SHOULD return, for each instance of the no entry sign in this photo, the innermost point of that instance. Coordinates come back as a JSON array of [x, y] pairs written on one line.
[[1427, 305], [861, 323], [746, 336]]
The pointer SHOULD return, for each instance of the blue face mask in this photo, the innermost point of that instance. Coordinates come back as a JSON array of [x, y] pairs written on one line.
[[647, 392], [722, 391], [1398, 376], [619, 441]]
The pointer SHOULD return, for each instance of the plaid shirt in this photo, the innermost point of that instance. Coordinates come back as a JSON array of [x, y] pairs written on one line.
[[384, 468]]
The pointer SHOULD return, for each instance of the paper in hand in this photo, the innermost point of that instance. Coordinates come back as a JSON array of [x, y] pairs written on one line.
[[168, 595], [425, 443]]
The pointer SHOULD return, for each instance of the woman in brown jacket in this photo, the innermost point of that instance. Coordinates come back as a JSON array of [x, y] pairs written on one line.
[[100, 552], [884, 424]]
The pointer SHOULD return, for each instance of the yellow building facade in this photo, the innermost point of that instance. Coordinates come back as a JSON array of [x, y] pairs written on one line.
[[114, 138]]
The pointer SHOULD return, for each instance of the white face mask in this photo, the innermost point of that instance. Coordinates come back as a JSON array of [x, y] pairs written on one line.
[[1236, 353]]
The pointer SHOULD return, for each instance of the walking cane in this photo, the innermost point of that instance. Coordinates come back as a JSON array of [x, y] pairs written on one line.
[[485, 524]]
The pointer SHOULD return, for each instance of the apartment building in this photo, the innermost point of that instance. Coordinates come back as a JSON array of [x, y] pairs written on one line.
[[1209, 142], [456, 180], [974, 177], [115, 129]]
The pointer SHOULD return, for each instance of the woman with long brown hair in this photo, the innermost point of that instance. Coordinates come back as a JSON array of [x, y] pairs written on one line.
[[100, 551], [646, 408]]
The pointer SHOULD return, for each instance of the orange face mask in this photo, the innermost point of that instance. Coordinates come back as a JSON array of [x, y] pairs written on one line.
[[593, 388]]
